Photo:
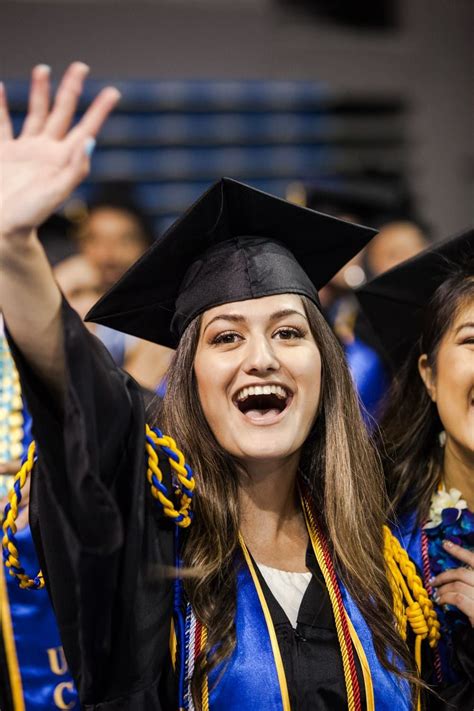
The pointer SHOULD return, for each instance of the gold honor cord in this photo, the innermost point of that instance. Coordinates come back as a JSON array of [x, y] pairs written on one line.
[[411, 602], [285, 697], [10, 647], [154, 438]]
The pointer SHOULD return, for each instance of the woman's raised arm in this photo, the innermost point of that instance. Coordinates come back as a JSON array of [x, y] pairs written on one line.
[[38, 170]]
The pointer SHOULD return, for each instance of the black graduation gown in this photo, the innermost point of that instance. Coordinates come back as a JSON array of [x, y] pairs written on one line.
[[102, 544]]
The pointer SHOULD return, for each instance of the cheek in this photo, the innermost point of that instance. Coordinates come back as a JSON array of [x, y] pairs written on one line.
[[212, 376], [131, 252], [454, 385], [305, 368]]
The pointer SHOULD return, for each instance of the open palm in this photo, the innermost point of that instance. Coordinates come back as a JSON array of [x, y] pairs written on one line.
[[41, 167]]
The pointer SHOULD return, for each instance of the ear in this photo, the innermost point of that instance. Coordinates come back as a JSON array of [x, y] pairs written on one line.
[[427, 376]]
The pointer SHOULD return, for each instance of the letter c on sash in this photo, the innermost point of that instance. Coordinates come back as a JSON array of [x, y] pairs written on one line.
[[59, 697], [57, 662]]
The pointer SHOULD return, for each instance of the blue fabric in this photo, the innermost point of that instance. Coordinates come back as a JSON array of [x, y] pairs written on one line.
[[46, 681], [251, 672], [369, 376], [27, 433], [390, 692]]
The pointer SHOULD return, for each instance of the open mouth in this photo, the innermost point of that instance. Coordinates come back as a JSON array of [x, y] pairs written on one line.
[[263, 402]]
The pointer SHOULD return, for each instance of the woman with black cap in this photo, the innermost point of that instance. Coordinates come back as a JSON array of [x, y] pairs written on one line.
[[271, 582], [428, 436]]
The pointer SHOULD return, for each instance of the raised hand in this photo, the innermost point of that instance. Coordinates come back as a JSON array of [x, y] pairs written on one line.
[[40, 168]]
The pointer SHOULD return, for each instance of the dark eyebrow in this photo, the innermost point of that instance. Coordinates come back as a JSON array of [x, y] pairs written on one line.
[[238, 318], [468, 324]]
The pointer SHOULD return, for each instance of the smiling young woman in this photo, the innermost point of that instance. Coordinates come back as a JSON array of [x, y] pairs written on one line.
[[262, 582], [428, 436]]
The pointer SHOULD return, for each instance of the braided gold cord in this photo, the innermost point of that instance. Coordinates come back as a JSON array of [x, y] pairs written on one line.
[[411, 601], [11, 555], [420, 611], [181, 517]]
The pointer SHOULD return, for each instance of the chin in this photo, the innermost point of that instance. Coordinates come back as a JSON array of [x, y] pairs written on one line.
[[264, 449]]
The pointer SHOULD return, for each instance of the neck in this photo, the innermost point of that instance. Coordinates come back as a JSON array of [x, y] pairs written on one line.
[[271, 519], [269, 489], [458, 470]]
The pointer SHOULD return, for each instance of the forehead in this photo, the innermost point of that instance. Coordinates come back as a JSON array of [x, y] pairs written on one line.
[[261, 308], [464, 312]]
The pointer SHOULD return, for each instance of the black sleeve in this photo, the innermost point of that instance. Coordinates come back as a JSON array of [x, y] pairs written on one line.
[[459, 695], [101, 543]]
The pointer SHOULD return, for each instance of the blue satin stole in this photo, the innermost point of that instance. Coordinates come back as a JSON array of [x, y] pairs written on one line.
[[253, 676], [45, 679]]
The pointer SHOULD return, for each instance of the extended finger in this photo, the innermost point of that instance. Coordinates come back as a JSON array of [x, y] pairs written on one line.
[[67, 98], [76, 168], [38, 103], [91, 123], [455, 587], [463, 602], [6, 130], [464, 574], [460, 553]]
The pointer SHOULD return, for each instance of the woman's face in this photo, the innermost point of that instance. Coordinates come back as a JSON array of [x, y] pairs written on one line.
[[258, 372], [451, 386]]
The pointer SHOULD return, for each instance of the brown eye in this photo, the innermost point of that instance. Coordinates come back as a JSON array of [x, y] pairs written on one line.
[[288, 334], [226, 338]]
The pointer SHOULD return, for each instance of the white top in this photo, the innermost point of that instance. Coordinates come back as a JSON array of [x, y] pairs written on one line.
[[288, 589]]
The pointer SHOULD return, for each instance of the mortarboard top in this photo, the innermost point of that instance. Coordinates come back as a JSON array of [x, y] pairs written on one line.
[[234, 243], [394, 301]]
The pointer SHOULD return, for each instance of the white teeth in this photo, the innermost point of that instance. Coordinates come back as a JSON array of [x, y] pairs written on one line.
[[262, 390]]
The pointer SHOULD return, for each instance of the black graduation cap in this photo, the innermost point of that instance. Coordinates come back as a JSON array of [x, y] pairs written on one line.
[[234, 243], [394, 301]]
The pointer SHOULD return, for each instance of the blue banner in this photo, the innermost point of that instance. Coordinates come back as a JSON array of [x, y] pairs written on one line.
[[38, 672]]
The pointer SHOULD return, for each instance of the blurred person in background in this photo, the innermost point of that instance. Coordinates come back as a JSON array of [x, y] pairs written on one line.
[[397, 240], [423, 312], [341, 306], [112, 235]]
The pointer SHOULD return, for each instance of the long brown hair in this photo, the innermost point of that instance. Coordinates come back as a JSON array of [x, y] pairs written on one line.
[[342, 473], [409, 430]]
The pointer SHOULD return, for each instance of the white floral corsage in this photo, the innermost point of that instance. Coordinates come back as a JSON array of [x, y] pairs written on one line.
[[441, 500]]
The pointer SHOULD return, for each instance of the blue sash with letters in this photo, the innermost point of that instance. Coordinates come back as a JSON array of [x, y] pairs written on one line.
[[39, 677]]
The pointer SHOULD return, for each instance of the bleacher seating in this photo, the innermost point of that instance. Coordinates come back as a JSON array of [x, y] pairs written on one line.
[[174, 138]]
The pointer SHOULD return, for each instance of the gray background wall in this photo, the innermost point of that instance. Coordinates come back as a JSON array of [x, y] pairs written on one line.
[[428, 60]]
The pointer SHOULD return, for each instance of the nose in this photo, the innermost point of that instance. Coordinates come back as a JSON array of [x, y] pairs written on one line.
[[260, 356]]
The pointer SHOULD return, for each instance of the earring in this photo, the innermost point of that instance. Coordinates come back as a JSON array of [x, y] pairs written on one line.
[[442, 438]]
